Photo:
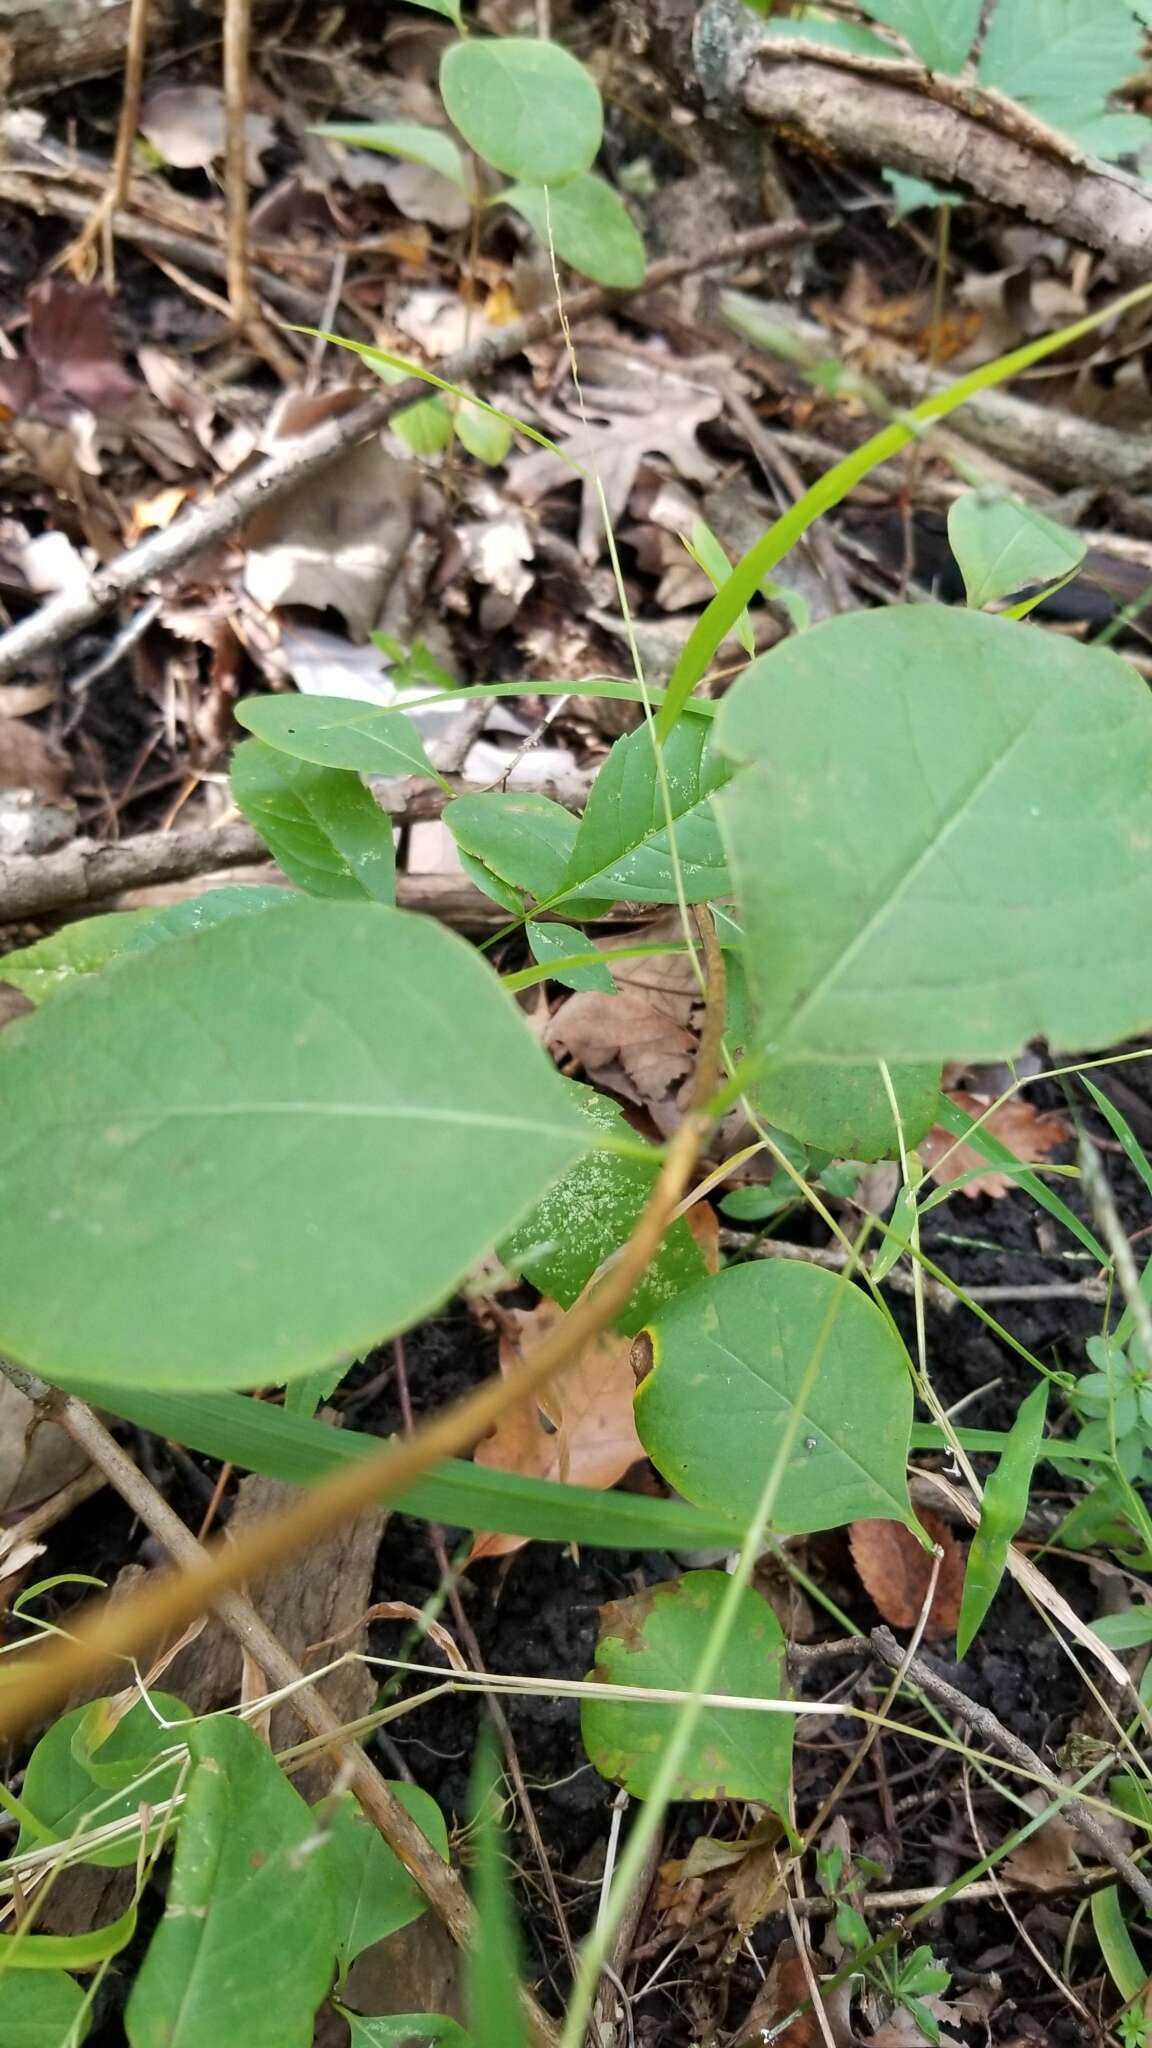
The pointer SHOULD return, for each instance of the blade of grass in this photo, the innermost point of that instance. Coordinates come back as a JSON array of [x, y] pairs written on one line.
[[720, 616]]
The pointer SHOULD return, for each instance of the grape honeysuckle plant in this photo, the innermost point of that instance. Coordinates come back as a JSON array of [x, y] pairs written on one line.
[[249, 1137]]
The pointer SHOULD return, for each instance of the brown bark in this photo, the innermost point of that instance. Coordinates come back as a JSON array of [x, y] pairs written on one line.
[[56, 42]]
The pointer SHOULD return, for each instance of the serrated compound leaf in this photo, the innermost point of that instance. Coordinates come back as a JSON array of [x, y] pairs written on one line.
[[732, 1356], [622, 845], [589, 1214], [941, 813], [407, 139], [406, 2029], [43, 970], [246, 1948], [846, 1110], [1002, 1512], [375, 1896], [524, 105], [587, 224], [42, 2009], [321, 825], [525, 839], [1061, 57], [1004, 546], [941, 32], [67, 1799], [656, 1639], [564, 942], [259, 1150], [483, 432], [338, 732]]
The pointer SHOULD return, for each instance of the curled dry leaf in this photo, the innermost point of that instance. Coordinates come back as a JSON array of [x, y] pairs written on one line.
[[586, 1436], [896, 1572], [623, 1042], [1028, 1133]]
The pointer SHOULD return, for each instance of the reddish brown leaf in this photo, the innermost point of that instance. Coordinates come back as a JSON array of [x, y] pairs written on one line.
[[896, 1572], [584, 1435], [1027, 1132], [784, 1989]]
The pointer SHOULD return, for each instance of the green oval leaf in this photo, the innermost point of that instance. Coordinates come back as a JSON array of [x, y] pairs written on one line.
[[375, 1896], [525, 839], [589, 1214], [1004, 546], [845, 1109], [66, 1799], [43, 970], [405, 2029], [731, 1359], [408, 139], [589, 227], [246, 1947], [260, 1150], [656, 1639], [562, 942], [523, 104], [483, 433], [43, 2011], [322, 826], [338, 732], [942, 818]]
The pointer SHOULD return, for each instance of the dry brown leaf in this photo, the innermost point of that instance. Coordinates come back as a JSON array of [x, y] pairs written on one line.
[[1027, 1132], [591, 1440], [1045, 1859], [785, 1988], [186, 126], [896, 1572], [29, 759], [662, 416], [623, 1042]]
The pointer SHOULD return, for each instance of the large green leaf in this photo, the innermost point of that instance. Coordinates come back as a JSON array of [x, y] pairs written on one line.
[[732, 1356], [656, 1640], [324, 828], [622, 849], [41, 2009], [375, 1896], [338, 732], [262, 1438], [246, 1947], [941, 32], [1062, 57], [942, 840], [255, 1151], [1003, 545], [44, 969], [588, 225], [588, 1215], [66, 1797], [523, 104], [846, 1109]]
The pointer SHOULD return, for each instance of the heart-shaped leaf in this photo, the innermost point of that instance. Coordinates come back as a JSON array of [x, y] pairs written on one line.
[[732, 1358], [258, 1150], [656, 1639]]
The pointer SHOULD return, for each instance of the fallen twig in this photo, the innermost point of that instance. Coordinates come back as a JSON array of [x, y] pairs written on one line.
[[436, 1879], [985, 1724], [48, 629], [899, 115]]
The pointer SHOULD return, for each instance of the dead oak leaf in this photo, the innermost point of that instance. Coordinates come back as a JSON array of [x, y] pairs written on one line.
[[1028, 1133], [585, 1435], [896, 1572], [623, 1042], [625, 427]]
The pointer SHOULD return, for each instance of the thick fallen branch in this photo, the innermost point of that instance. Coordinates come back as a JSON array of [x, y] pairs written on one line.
[[215, 518], [897, 115]]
